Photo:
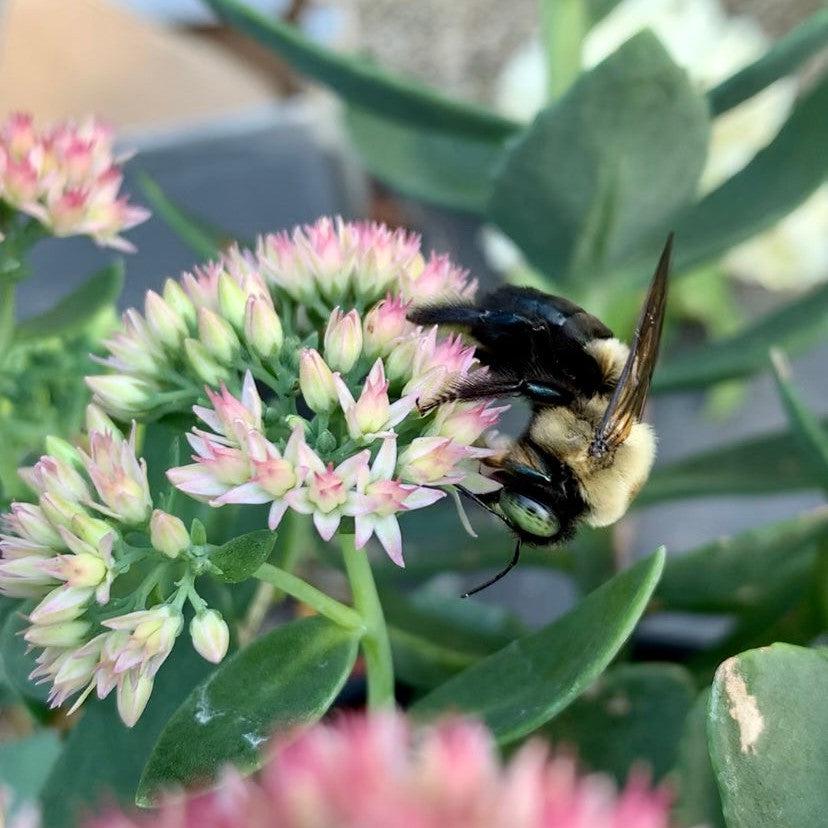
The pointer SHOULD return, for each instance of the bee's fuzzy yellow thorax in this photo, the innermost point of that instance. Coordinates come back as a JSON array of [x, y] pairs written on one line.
[[607, 489], [610, 354]]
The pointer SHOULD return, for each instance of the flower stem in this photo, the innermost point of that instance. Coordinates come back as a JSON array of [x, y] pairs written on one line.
[[310, 595], [7, 307], [375, 644], [294, 538], [563, 26]]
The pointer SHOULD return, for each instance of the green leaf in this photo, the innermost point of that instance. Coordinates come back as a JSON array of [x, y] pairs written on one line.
[[783, 57], [731, 574], [599, 9], [286, 678], [448, 169], [767, 727], [572, 193], [777, 180], [17, 662], [793, 326], [239, 558], [203, 239], [811, 439], [102, 759], [765, 464], [530, 681], [434, 636], [698, 800], [75, 312], [25, 764], [633, 714], [358, 82]]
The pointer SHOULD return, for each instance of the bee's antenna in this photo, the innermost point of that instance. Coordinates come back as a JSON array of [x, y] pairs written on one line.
[[503, 572]]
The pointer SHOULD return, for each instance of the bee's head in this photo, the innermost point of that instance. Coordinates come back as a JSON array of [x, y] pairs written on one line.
[[530, 518]]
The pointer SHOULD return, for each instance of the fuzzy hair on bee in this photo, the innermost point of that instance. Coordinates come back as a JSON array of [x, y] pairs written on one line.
[[586, 451]]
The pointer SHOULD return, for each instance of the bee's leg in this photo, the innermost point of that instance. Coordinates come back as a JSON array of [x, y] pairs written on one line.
[[503, 572], [495, 385]]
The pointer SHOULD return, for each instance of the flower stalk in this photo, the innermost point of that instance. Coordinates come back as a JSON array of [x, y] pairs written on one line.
[[310, 595], [376, 646]]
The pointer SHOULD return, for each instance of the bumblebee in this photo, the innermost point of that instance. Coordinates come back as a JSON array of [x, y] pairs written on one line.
[[585, 452]]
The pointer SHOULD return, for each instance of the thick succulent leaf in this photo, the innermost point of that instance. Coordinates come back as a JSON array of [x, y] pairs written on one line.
[[434, 636], [731, 574], [530, 681], [783, 58], [570, 190], [793, 326], [766, 464], [767, 726], [807, 430], [286, 678], [634, 714], [75, 312], [698, 802], [359, 82], [24, 766], [779, 178], [102, 759], [204, 240], [449, 169], [240, 557]]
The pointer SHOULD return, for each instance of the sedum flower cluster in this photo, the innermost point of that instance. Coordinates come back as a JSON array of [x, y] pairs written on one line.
[[68, 178], [313, 374], [374, 772], [108, 576]]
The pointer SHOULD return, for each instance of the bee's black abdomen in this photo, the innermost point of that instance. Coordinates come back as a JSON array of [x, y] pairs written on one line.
[[523, 332]]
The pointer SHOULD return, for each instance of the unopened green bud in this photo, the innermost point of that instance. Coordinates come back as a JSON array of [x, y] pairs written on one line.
[[204, 366], [217, 336]]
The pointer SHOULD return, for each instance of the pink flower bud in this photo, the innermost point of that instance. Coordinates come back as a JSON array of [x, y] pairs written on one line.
[[217, 336], [343, 340], [166, 325], [399, 361], [180, 303], [204, 366], [430, 459], [262, 328], [31, 523], [66, 634], [316, 381], [82, 571], [97, 420], [90, 529], [119, 477], [383, 325], [62, 450], [134, 691], [232, 300], [59, 510], [168, 534], [121, 394], [210, 635]]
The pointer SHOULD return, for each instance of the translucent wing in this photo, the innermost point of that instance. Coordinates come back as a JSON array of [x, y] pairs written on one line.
[[627, 403]]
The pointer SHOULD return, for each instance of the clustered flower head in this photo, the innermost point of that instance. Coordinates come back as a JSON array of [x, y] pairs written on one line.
[[312, 375], [68, 178], [375, 772], [92, 523]]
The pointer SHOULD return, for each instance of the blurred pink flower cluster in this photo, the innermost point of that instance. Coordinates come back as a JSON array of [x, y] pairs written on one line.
[[68, 178], [375, 772], [313, 373], [65, 552]]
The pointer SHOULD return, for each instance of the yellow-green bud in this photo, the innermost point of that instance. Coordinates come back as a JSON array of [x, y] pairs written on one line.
[[168, 534], [262, 328]]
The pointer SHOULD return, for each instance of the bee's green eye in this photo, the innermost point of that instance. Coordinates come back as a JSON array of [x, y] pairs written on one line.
[[529, 515]]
